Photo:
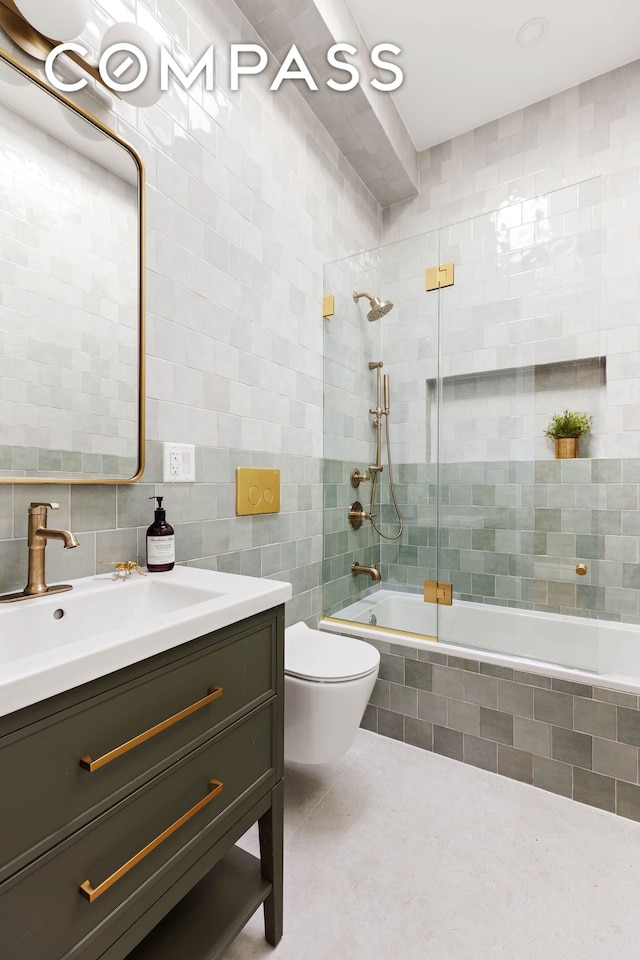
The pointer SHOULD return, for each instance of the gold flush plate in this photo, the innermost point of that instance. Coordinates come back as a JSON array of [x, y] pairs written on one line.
[[437, 277], [435, 592], [257, 491], [328, 307]]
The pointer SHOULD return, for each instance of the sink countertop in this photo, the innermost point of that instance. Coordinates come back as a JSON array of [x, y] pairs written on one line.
[[87, 650]]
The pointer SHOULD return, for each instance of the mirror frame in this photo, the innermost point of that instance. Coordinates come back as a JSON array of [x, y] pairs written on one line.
[[8, 58]]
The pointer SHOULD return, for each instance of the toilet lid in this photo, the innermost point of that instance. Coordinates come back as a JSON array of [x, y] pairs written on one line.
[[314, 655]]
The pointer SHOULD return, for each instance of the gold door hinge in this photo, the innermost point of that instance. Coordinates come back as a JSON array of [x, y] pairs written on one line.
[[328, 306], [436, 277], [435, 592]]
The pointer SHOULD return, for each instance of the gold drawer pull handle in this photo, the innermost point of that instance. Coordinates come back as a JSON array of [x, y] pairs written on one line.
[[88, 892], [88, 764]]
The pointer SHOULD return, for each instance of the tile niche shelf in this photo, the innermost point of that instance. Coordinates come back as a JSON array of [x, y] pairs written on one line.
[[487, 415], [585, 373]]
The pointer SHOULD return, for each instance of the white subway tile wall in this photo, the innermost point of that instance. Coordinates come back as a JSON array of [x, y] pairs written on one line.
[[247, 199], [539, 212], [350, 343]]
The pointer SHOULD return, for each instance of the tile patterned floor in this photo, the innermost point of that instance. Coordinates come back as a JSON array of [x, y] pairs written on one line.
[[398, 853]]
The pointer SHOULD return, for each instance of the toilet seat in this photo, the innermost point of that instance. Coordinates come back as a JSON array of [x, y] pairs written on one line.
[[326, 658], [328, 682]]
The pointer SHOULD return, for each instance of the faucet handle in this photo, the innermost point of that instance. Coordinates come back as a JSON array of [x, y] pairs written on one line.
[[53, 506]]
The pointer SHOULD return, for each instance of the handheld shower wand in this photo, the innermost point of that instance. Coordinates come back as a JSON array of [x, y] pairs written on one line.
[[378, 413], [382, 390]]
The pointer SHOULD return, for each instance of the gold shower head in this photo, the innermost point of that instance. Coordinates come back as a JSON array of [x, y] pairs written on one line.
[[378, 307]]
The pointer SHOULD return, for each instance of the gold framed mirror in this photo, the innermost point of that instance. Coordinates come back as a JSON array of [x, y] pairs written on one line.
[[72, 291]]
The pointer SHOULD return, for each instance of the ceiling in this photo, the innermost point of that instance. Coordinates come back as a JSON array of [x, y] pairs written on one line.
[[462, 64]]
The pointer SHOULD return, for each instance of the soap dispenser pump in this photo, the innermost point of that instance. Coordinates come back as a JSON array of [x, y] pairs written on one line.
[[161, 542]]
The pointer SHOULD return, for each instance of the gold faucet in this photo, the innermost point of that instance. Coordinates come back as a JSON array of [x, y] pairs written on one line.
[[37, 537], [373, 572]]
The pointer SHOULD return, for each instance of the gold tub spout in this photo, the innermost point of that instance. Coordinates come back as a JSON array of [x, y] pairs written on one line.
[[372, 572]]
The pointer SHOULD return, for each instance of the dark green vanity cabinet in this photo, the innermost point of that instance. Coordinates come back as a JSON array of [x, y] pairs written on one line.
[[159, 819]]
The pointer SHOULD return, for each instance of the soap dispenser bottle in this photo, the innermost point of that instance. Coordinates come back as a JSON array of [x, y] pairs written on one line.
[[161, 542]]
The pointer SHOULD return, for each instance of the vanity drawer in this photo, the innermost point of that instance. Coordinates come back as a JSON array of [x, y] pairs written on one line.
[[45, 788], [43, 913]]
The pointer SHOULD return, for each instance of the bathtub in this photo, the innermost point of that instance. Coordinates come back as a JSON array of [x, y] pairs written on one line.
[[576, 648]]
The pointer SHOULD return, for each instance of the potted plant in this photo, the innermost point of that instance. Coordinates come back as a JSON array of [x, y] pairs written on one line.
[[566, 429]]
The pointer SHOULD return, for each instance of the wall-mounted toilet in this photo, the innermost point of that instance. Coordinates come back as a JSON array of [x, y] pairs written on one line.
[[327, 685]]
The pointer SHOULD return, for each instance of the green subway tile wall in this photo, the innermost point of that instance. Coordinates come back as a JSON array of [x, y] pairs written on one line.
[[513, 533], [111, 524], [342, 545]]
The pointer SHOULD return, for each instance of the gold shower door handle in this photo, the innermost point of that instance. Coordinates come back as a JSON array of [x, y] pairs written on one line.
[[90, 893], [91, 765]]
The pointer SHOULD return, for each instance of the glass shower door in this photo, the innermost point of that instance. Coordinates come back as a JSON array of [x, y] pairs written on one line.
[[401, 348], [520, 340]]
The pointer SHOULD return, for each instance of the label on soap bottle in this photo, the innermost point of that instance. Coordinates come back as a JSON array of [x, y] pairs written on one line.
[[161, 550]]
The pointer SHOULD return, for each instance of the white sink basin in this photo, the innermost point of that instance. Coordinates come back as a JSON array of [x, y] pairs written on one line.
[[91, 608], [52, 643]]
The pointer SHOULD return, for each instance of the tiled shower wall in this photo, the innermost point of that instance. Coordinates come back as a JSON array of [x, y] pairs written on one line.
[[539, 211], [520, 335], [503, 415], [513, 533], [350, 342], [247, 198], [574, 739], [342, 544]]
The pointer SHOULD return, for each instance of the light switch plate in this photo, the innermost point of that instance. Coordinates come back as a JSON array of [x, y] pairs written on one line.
[[257, 491], [179, 463]]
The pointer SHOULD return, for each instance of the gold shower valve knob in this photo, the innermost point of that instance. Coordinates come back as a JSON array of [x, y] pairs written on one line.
[[581, 569]]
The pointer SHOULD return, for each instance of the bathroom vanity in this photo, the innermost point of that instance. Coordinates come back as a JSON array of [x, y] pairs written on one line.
[[123, 797]]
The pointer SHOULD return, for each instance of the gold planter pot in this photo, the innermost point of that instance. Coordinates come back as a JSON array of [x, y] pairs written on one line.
[[567, 448]]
